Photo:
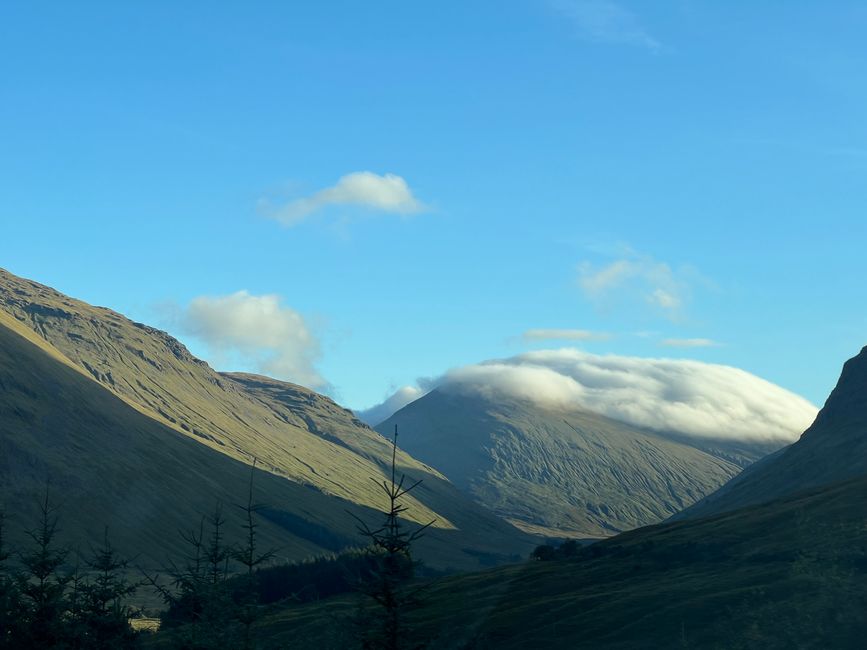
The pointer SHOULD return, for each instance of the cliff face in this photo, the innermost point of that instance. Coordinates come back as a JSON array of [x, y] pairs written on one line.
[[833, 449]]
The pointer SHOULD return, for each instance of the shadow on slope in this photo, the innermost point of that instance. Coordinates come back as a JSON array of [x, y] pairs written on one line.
[[110, 464]]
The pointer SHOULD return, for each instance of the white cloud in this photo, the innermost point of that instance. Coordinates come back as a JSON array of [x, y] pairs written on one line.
[[562, 335], [396, 401], [689, 343], [383, 193], [638, 277], [256, 332], [665, 299], [603, 21], [687, 397]]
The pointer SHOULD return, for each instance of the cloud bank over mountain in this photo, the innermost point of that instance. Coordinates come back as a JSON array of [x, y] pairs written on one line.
[[681, 396]]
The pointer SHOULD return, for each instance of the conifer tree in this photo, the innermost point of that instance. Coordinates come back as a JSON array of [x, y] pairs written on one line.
[[249, 557], [41, 583], [199, 598], [391, 545], [101, 611]]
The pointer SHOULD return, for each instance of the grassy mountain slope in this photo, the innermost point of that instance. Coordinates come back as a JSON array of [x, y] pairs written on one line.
[[153, 457], [316, 442], [554, 472], [787, 574], [833, 449], [111, 465]]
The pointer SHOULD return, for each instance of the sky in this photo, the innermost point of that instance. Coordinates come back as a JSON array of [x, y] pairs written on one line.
[[354, 196]]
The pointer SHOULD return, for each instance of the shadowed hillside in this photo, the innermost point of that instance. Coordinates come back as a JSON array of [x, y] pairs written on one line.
[[137, 434], [833, 449], [558, 472], [292, 431], [789, 574]]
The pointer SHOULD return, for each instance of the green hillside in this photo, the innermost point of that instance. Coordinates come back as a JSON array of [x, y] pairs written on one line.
[[788, 574], [559, 473], [136, 434], [316, 442]]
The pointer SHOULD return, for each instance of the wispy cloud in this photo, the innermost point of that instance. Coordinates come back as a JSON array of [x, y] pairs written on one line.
[[563, 335], [603, 21], [689, 343], [392, 404], [638, 277], [388, 193], [256, 332]]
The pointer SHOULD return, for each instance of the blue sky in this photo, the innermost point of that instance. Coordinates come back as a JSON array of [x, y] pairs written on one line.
[[680, 179]]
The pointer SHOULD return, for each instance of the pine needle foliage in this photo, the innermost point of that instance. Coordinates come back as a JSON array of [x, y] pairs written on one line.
[[387, 584]]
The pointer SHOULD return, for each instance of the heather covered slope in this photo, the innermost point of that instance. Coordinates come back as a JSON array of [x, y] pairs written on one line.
[[554, 471], [147, 467], [833, 449]]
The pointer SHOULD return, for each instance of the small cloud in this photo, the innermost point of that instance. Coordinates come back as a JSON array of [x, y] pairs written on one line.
[[258, 333], [596, 282], [637, 277], [563, 335], [690, 343], [603, 21], [392, 404], [387, 193], [664, 299]]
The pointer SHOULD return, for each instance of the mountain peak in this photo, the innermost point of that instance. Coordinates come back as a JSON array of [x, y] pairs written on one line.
[[833, 449], [847, 403]]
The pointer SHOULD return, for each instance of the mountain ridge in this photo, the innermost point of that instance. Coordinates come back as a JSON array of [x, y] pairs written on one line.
[[556, 472], [305, 444]]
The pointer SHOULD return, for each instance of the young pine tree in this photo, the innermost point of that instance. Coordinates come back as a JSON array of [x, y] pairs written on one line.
[[391, 546], [101, 611], [41, 583], [249, 557], [199, 601]]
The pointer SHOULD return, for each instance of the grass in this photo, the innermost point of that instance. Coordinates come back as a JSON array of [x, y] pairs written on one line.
[[788, 574]]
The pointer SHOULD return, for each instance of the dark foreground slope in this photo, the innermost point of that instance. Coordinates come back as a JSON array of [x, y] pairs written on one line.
[[788, 574], [560, 473], [833, 449]]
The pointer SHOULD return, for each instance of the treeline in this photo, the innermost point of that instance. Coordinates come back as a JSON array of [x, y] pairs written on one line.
[[214, 593], [565, 550]]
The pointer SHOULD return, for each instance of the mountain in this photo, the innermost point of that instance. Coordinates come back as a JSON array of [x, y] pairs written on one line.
[[833, 449], [790, 572], [561, 472], [787, 574], [136, 433]]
